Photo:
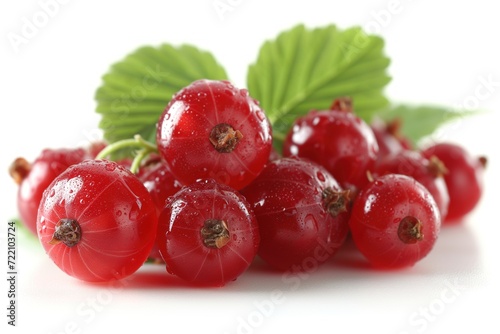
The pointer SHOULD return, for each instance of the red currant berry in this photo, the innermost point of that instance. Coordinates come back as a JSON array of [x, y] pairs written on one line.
[[161, 184], [95, 148], [302, 213], [207, 234], [211, 129], [429, 172], [389, 137], [34, 177], [336, 139], [97, 221], [394, 221], [464, 178]]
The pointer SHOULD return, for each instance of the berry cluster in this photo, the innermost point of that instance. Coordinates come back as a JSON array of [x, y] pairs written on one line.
[[213, 193]]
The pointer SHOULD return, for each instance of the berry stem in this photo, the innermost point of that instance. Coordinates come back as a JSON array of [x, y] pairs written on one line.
[[342, 104], [146, 148], [436, 167]]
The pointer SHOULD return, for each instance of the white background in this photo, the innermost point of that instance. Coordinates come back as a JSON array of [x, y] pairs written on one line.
[[442, 52]]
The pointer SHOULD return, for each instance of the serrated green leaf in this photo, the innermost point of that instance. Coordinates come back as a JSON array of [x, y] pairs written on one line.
[[305, 69], [136, 90], [418, 122]]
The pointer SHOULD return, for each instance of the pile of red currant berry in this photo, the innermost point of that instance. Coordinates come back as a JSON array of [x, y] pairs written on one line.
[[212, 194]]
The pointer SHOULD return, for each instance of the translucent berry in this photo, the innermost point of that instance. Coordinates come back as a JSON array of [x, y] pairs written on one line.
[[207, 234], [97, 221], [394, 221], [34, 177], [338, 140], [161, 184], [389, 137], [464, 178], [211, 129], [429, 172], [302, 213]]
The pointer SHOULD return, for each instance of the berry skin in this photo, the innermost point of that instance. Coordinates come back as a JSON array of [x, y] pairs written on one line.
[[389, 137], [302, 213], [464, 178], [336, 139], [211, 129], [207, 234], [97, 221], [161, 184], [34, 177], [429, 172], [394, 221]]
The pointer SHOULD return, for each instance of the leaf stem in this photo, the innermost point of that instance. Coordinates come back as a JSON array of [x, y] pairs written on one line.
[[145, 148]]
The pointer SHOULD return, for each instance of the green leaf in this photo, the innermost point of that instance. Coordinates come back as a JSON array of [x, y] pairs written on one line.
[[305, 69], [136, 90], [418, 122]]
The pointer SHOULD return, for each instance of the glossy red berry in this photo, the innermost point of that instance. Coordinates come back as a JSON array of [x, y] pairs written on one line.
[[207, 234], [338, 140], [161, 184], [389, 137], [394, 221], [211, 129], [97, 221], [302, 213], [429, 172], [34, 177], [464, 178]]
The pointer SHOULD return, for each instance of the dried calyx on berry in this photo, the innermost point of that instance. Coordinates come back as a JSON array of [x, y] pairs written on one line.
[[410, 230], [19, 170], [224, 138], [334, 201], [67, 231], [215, 233]]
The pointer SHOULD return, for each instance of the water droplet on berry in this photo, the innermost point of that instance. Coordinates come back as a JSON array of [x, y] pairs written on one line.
[[230, 92], [110, 167], [260, 115], [310, 221], [52, 192], [118, 213], [133, 215], [368, 205], [260, 203], [320, 176], [244, 92]]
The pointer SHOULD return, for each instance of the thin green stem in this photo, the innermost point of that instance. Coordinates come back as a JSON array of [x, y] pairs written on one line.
[[136, 163], [145, 148]]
